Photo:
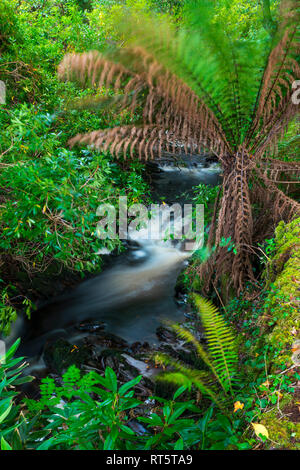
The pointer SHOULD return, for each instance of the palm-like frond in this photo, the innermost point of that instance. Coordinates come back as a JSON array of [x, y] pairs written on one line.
[[170, 108], [196, 89]]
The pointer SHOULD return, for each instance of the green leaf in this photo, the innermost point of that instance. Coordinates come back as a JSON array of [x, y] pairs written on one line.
[[109, 443], [5, 407], [179, 445], [46, 445], [5, 445], [112, 379], [124, 388], [12, 350], [179, 391]]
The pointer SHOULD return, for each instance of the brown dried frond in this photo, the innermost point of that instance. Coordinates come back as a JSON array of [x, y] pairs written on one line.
[[284, 207], [92, 67], [274, 106], [174, 118], [168, 103]]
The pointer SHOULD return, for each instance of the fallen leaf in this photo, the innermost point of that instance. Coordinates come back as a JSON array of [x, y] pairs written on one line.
[[260, 430], [238, 406], [265, 384]]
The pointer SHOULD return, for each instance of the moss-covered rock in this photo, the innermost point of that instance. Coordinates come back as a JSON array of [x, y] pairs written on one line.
[[282, 306], [283, 432]]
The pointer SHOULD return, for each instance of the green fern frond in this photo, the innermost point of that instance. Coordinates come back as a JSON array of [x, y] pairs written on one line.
[[184, 375], [190, 338], [221, 343], [221, 357], [205, 376]]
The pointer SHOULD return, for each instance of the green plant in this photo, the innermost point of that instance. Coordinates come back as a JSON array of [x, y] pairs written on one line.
[[92, 412], [10, 377], [9, 27], [192, 427], [83, 422], [8, 313], [211, 91], [220, 359], [48, 225], [205, 194], [89, 411], [53, 219]]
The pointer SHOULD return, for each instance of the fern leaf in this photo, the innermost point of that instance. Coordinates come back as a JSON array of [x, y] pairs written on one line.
[[186, 376], [221, 343]]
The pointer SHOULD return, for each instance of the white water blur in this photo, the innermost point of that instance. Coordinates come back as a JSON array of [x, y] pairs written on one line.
[[136, 293]]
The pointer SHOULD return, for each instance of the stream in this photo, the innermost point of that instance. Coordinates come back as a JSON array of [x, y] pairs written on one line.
[[134, 295]]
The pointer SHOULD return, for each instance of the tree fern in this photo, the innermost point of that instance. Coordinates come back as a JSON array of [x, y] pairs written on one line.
[[198, 88]]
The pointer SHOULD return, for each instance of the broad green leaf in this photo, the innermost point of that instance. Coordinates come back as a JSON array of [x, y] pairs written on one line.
[[5, 445]]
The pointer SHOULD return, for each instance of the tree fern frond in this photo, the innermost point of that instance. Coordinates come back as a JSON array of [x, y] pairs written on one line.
[[279, 74], [167, 101], [198, 88]]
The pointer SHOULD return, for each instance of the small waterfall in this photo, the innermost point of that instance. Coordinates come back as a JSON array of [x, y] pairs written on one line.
[[136, 293]]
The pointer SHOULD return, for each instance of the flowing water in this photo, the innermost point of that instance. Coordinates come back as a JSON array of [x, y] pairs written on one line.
[[135, 293]]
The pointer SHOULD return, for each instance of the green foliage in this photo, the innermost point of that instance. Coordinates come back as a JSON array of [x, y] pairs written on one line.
[[50, 194], [53, 217], [227, 65], [220, 341], [92, 412], [84, 423], [281, 306], [206, 195], [7, 312], [220, 358], [209, 430], [10, 377], [9, 28], [243, 18]]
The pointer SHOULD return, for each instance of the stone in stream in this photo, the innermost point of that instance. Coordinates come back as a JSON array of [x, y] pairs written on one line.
[[91, 327], [59, 355]]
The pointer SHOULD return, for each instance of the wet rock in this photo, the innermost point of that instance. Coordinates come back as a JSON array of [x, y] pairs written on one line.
[[138, 428], [109, 340], [131, 244], [127, 368], [60, 354], [153, 167], [211, 159], [141, 367], [110, 358], [165, 334], [137, 256], [180, 286], [91, 327], [139, 348]]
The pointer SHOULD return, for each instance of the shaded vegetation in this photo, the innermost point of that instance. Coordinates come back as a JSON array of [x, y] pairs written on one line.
[[147, 92]]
